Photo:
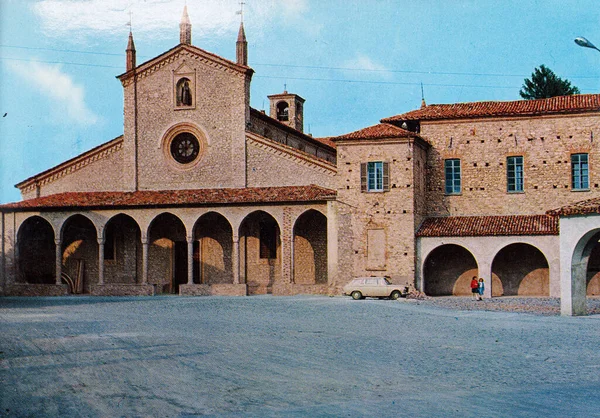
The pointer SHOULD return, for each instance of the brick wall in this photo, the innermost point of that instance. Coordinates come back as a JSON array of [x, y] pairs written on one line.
[[483, 145]]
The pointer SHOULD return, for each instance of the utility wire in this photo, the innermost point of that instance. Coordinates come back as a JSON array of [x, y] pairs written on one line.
[[311, 67]]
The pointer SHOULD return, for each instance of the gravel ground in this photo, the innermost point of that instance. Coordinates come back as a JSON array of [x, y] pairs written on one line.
[[532, 305], [303, 356]]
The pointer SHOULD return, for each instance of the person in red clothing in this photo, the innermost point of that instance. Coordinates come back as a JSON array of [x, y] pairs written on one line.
[[474, 288]]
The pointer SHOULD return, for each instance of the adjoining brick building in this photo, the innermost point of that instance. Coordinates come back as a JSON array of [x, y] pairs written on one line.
[[204, 195]]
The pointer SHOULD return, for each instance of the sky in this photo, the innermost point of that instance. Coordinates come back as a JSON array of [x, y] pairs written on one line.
[[354, 61]]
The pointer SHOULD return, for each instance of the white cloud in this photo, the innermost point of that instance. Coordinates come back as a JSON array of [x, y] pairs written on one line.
[[156, 18], [68, 96], [363, 67]]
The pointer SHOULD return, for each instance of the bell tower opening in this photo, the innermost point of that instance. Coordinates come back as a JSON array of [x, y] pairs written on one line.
[[288, 108]]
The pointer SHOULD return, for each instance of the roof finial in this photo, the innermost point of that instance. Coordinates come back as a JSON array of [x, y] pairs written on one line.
[[423, 104], [241, 11], [185, 28], [130, 51]]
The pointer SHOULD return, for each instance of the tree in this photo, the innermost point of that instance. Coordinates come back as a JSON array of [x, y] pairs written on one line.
[[544, 84]]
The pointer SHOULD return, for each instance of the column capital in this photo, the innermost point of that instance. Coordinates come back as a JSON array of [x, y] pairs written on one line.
[[101, 241], [57, 241], [189, 238]]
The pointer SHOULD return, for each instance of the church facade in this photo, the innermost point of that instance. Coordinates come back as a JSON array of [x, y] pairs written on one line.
[[204, 195]]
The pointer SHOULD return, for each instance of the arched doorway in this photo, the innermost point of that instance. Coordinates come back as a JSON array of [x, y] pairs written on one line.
[[520, 270], [448, 270], [310, 248], [79, 253], [213, 247], [37, 252], [167, 253], [260, 246], [585, 264], [122, 250]]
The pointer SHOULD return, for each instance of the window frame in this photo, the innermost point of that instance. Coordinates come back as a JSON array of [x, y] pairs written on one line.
[[580, 175], [451, 182], [375, 176], [513, 173]]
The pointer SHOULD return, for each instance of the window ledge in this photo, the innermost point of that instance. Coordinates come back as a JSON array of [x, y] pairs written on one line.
[[580, 190]]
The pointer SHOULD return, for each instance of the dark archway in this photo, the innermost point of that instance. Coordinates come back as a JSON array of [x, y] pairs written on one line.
[[122, 250], [80, 253], [37, 252], [213, 247], [522, 270], [167, 253], [448, 270], [310, 248], [260, 247], [593, 270]]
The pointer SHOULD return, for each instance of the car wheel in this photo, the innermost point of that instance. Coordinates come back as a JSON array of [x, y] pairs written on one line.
[[395, 295], [356, 295]]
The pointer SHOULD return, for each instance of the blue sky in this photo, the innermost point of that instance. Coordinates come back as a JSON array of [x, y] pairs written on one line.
[[353, 61]]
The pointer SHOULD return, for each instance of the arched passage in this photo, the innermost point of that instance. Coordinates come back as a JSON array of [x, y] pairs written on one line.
[[80, 253], [448, 270], [310, 248], [520, 270], [122, 250], [260, 246], [36, 249], [167, 253], [213, 246], [585, 265]]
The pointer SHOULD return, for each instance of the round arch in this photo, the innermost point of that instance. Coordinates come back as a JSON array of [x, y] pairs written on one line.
[[36, 252], [79, 252], [167, 253], [448, 270], [122, 249], [585, 263], [260, 250], [310, 248], [213, 249], [520, 269]]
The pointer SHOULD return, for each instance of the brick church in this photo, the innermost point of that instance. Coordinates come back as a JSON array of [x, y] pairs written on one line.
[[204, 195]]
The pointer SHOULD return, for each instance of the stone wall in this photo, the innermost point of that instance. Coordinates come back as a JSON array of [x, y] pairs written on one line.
[[219, 113], [483, 145], [381, 222]]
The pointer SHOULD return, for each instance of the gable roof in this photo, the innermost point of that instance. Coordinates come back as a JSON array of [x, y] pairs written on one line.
[[169, 198], [561, 104], [584, 207], [379, 131], [73, 164], [479, 226], [143, 68]]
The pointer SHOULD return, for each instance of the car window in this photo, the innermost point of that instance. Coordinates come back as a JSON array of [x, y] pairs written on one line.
[[372, 282], [387, 282]]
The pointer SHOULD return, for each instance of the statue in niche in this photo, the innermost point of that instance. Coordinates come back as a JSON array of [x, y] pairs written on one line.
[[184, 93]]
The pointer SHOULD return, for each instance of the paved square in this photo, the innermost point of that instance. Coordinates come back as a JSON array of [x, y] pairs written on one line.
[[292, 357]]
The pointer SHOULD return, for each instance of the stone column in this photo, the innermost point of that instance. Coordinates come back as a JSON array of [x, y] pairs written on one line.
[[100, 261], [58, 261], [285, 234], [332, 245], [235, 259], [144, 260], [190, 261]]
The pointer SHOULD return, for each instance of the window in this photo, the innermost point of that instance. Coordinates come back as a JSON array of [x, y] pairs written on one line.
[[452, 169], [375, 176], [268, 240], [514, 174], [580, 171]]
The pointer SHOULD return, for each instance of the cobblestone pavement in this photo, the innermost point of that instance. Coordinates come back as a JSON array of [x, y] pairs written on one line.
[[295, 357]]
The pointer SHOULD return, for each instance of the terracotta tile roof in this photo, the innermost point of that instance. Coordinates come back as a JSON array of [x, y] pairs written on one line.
[[560, 104], [266, 118], [479, 226], [174, 198], [379, 131], [585, 207]]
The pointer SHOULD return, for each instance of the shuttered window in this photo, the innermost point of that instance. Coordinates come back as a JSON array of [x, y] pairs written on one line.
[[375, 176]]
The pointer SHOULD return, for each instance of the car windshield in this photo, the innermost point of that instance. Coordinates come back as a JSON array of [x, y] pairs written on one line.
[[386, 281]]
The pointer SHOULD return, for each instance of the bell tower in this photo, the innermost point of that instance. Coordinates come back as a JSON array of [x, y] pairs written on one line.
[[287, 108]]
